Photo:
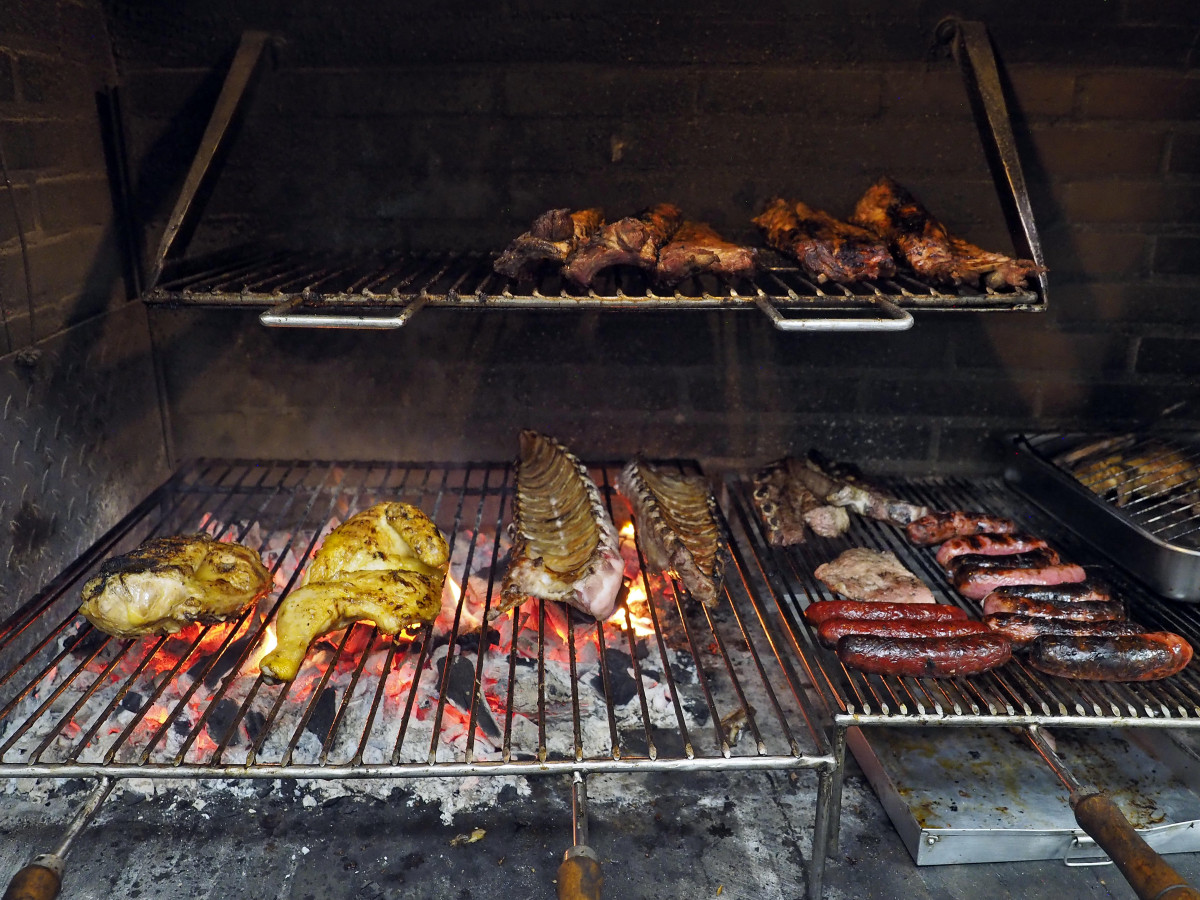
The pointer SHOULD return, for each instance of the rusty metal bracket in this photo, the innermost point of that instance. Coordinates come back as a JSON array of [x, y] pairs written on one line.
[[972, 49], [237, 79]]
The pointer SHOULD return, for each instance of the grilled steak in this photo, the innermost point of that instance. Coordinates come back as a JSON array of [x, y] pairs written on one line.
[[695, 249], [627, 242], [565, 546], [676, 525], [824, 247], [921, 241], [862, 574], [553, 236]]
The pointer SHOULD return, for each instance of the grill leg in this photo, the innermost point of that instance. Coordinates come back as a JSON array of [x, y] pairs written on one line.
[[839, 772], [579, 875], [816, 865]]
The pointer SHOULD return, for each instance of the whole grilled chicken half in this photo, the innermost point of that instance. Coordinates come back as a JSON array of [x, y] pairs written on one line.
[[170, 582], [385, 564]]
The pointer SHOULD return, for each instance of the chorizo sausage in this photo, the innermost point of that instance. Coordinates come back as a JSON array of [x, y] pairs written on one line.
[[988, 545], [1088, 591], [872, 610], [1082, 611], [831, 630], [978, 583], [1034, 559], [1132, 657], [943, 657], [1023, 630], [941, 526]]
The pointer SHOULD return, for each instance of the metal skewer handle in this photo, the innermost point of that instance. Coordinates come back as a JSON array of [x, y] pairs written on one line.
[[579, 875]]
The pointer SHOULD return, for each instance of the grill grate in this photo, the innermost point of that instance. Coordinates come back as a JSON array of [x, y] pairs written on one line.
[[672, 686], [313, 281], [1014, 694]]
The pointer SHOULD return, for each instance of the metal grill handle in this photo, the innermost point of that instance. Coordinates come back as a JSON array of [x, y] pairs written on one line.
[[281, 316], [897, 319]]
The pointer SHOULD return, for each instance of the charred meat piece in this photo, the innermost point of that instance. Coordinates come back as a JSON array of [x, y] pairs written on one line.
[[935, 527], [987, 545], [917, 238], [565, 546], [696, 249], [550, 240], [1090, 590], [1023, 630], [881, 611], [677, 525], [1133, 657], [854, 494], [831, 631], [1075, 611], [385, 565], [828, 249], [980, 562], [788, 507], [935, 657], [170, 582], [977, 583], [627, 242], [863, 574]]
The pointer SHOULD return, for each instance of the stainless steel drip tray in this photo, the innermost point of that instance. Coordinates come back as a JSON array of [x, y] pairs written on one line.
[[966, 795]]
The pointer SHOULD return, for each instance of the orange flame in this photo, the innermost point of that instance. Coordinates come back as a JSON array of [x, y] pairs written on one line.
[[627, 530], [635, 614], [268, 643]]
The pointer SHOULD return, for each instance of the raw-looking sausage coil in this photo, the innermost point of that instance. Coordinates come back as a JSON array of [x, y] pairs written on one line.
[[977, 583], [1077, 611], [832, 630], [924, 657], [882, 611], [1134, 657], [941, 526], [1023, 630], [988, 545]]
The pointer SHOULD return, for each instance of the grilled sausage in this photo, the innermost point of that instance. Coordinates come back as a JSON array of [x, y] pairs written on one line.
[[941, 526], [831, 630], [866, 610], [924, 657], [978, 583], [988, 545], [1022, 630], [1089, 590], [1076, 611], [1034, 559], [1134, 657]]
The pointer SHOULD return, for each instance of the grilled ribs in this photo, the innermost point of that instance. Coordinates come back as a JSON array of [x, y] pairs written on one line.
[[920, 240], [696, 248], [553, 236], [828, 249], [627, 242]]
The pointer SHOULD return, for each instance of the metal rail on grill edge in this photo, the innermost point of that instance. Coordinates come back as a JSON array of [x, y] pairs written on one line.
[[67, 678], [348, 301]]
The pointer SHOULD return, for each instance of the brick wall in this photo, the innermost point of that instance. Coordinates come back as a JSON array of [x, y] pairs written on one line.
[[370, 128]]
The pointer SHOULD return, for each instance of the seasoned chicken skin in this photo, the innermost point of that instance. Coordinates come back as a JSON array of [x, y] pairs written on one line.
[[385, 565], [170, 582]]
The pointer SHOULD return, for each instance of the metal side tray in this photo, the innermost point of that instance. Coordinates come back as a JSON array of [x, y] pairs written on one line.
[[1136, 498]]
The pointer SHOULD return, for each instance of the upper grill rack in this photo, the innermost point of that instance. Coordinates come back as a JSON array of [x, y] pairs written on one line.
[[385, 289], [1014, 694], [672, 687]]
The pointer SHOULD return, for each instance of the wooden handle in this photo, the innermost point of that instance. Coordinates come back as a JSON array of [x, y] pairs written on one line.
[[579, 875], [34, 882], [1147, 873]]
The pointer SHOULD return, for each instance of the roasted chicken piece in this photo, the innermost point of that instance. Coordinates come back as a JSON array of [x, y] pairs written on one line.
[[627, 242], [170, 582], [553, 236], [385, 565], [921, 241], [565, 546], [696, 249], [826, 248], [677, 526]]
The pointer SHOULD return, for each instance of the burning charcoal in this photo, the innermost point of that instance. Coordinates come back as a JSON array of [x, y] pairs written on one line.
[[182, 726], [132, 701], [683, 668], [253, 723], [227, 661], [322, 716], [697, 710], [221, 718], [620, 682], [460, 689], [85, 643], [471, 641]]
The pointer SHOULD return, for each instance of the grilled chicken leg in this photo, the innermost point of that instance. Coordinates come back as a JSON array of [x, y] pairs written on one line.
[[384, 565]]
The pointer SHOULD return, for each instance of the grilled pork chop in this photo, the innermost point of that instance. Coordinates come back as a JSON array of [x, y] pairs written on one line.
[[828, 249], [385, 564], [627, 242], [677, 526], [170, 582], [862, 574], [565, 546], [553, 236], [695, 249], [920, 240]]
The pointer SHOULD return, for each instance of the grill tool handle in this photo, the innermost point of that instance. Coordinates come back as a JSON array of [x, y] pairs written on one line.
[[579, 875], [1148, 874], [40, 880]]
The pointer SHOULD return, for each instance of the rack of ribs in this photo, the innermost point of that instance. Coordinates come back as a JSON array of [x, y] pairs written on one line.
[[924, 243], [550, 240], [627, 242], [696, 249], [825, 247]]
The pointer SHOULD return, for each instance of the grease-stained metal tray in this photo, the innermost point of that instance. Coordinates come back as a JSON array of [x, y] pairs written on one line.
[[1145, 517]]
